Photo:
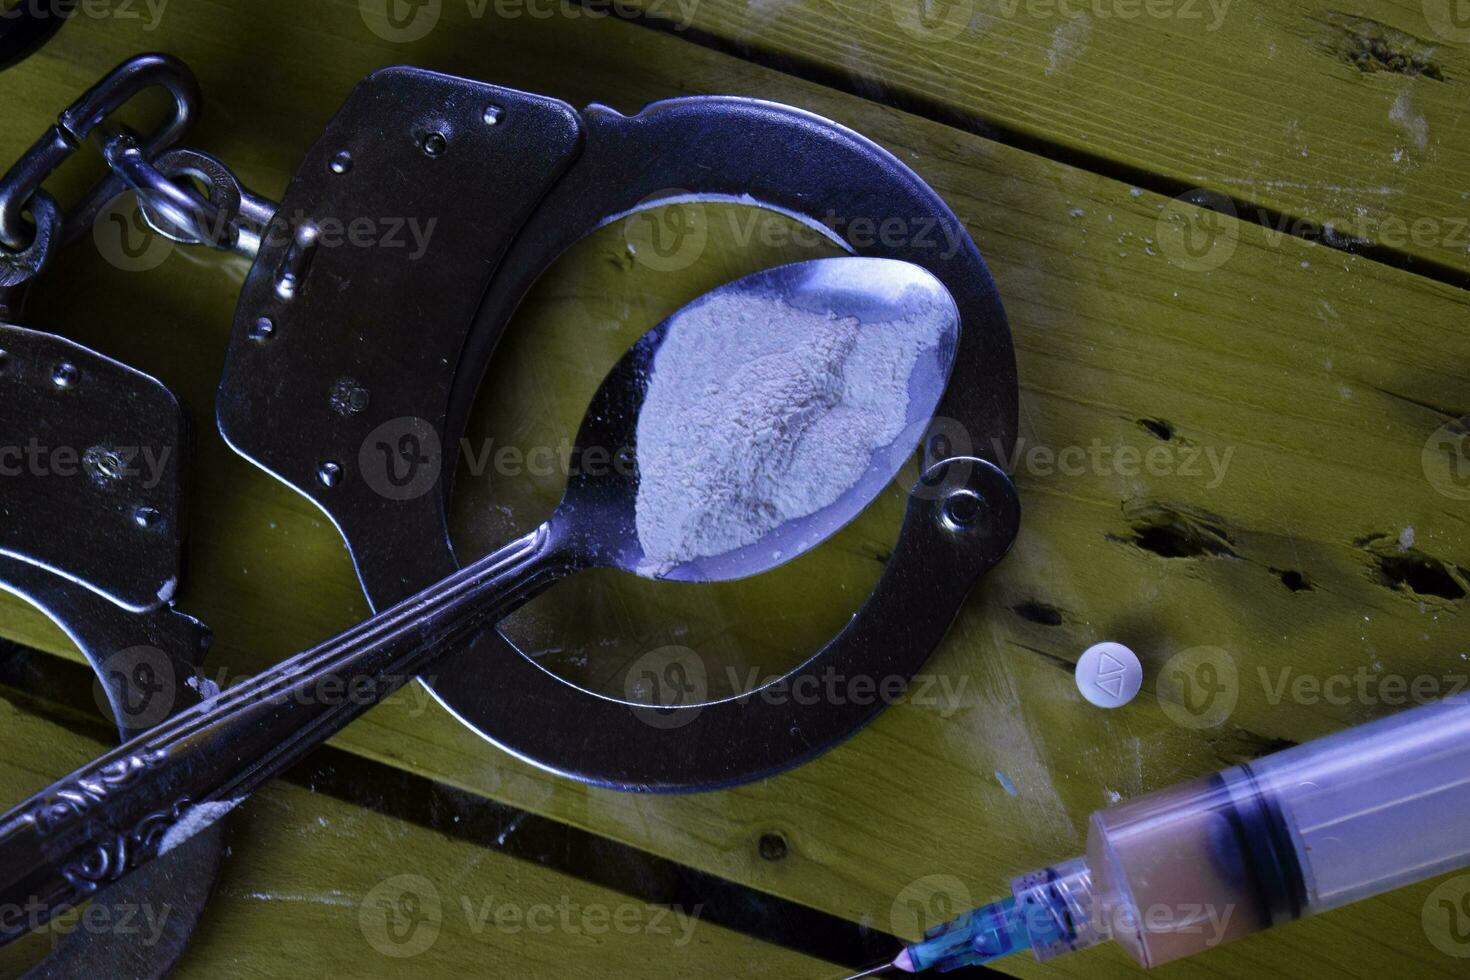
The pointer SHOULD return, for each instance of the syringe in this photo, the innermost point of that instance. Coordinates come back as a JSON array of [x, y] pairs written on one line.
[[1308, 829]]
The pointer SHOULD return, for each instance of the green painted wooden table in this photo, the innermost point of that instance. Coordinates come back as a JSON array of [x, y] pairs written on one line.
[[1229, 460]]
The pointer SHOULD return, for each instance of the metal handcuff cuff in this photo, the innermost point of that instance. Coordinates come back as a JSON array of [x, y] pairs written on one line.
[[514, 180]]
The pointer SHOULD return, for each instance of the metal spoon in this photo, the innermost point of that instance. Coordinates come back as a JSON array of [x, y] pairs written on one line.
[[104, 820]]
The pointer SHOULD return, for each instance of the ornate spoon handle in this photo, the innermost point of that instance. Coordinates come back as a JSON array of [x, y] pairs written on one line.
[[120, 811]]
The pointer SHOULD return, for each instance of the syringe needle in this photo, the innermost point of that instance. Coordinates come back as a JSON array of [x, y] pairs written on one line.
[[979, 936]]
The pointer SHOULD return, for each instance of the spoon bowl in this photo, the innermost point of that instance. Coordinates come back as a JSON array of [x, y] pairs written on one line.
[[639, 451]]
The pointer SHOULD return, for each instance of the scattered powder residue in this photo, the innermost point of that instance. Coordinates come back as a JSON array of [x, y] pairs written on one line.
[[1067, 43], [1405, 117], [759, 413], [1406, 539], [1001, 736], [194, 821], [333, 898], [207, 688], [510, 828]]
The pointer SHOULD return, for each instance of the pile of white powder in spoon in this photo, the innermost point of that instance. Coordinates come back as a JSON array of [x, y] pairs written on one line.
[[758, 413]]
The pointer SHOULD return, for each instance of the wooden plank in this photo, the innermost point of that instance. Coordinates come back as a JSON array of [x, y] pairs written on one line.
[[1349, 115], [1317, 379], [296, 896]]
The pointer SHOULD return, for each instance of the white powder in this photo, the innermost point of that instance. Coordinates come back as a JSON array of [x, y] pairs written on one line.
[[759, 413], [194, 821]]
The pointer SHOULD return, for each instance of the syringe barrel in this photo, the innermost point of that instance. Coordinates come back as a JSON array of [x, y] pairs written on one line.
[[1355, 814]]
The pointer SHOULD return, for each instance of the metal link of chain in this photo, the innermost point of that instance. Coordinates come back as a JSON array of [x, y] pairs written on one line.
[[17, 269], [225, 217], [77, 124]]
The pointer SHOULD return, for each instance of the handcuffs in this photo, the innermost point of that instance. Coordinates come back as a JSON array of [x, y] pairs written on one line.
[[330, 344]]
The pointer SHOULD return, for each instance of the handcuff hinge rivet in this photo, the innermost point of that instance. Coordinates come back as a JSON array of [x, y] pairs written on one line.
[[963, 511]]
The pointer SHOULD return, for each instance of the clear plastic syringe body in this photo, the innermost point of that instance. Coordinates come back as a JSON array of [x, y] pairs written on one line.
[[1352, 815]]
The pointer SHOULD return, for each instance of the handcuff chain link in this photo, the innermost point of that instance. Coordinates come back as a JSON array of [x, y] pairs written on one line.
[[183, 215]]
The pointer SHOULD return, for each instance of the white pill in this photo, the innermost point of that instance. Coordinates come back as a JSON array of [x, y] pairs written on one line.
[[1109, 675]]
